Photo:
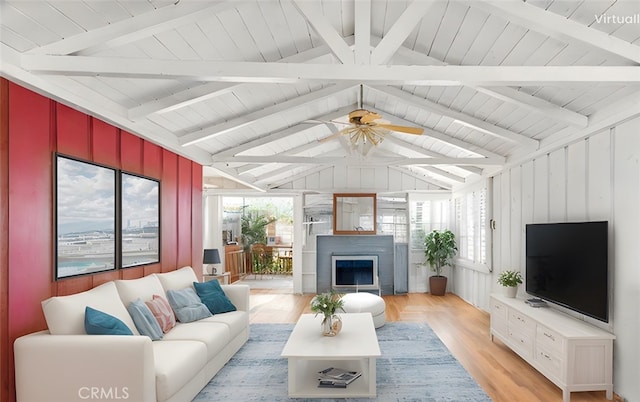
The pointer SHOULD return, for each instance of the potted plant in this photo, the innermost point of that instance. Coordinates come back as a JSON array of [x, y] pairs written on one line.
[[510, 280], [439, 249], [328, 304]]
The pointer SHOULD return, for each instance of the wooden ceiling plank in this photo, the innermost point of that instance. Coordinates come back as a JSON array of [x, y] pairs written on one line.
[[133, 29], [427, 152], [362, 32], [559, 27], [536, 105], [201, 93], [313, 14], [462, 118], [399, 31], [244, 121], [507, 94], [265, 139], [447, 139], [422, 177]]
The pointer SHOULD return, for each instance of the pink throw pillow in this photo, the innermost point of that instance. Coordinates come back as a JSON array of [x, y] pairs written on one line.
[[161, 310]]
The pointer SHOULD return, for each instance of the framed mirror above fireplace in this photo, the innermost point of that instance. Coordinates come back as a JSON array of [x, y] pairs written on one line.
[[354, 213]]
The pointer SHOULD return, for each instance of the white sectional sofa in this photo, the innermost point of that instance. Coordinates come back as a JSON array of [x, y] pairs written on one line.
[[64, 364]]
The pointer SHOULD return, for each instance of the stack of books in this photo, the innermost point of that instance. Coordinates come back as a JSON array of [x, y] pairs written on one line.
[[333, 377]]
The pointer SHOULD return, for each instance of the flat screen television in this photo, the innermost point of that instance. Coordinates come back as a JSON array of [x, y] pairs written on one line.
[[567, 264]]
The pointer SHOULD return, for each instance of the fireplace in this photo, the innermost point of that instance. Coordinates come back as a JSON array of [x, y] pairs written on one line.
[[354, 271]]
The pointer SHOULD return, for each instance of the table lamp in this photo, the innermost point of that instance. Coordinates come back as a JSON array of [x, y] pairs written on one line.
[[211, 256]]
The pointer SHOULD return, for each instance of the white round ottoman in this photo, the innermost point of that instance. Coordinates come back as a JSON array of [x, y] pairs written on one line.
[[365, 303]]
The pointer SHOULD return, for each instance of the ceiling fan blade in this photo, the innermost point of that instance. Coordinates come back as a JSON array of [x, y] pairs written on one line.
[[402, 129], [334, 135]]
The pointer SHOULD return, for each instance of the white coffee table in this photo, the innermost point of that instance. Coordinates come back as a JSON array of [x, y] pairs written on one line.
[[355, 348]]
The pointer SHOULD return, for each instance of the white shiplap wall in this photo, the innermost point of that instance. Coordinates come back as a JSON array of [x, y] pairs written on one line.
[[596, 178]]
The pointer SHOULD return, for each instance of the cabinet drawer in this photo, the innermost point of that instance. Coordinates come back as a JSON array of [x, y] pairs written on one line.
[[549, 361], [521, 322], [549, 339], [498, 309], [521, 342]]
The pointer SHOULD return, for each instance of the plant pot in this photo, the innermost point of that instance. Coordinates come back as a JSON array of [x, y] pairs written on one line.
[[437, 285], [510, 291]]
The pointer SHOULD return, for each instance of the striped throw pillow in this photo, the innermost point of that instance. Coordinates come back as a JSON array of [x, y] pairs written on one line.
[[161, 310]]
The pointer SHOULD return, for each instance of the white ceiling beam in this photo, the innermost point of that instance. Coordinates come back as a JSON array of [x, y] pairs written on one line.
[[507, 94], [312, 12], [256, 72], [426, 152], [558, 27], [226, 172], [293, 130], [301, 175], [250, 118], [462, 118], [422, 177], [133, 29], [400, 30], [442, 137], [361, 161], [536, 105], [362, 32], [210, 90]]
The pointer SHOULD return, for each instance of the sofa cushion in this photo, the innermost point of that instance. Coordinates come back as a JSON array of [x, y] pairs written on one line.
[[237, 321], [143, 288], [214, 335], [213, 297], [162, 312], [178, 279], [187, 305], [144, 320], [65, 314], [98, 323], [176, 363]]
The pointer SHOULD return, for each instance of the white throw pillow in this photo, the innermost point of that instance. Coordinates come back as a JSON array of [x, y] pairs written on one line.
[[65, 314], [178, 279], [142, 288]]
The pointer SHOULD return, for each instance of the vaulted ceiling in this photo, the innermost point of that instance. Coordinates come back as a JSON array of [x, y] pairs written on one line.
[[255, 90]]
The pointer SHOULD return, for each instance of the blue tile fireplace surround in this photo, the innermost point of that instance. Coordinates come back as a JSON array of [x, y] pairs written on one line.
[[379, 245]]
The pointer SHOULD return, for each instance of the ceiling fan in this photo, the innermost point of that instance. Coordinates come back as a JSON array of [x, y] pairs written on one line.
[[368, 127]]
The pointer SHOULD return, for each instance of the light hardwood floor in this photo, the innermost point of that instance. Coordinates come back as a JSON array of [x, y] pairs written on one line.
[[463, 328]]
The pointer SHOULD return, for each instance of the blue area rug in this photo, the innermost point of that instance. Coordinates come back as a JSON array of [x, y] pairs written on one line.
[[414, 366]]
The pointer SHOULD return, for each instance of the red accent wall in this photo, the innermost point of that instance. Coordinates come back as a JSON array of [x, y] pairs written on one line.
[[32, 129]]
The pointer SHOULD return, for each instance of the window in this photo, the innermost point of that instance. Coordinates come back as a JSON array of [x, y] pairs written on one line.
[[471, 225], [427, 215]]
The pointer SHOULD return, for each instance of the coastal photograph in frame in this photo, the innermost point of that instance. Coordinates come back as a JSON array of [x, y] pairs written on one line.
[[140, 234], [85, 217]]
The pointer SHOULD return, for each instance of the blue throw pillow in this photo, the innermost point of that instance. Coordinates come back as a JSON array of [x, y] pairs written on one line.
[[187, 305], [98, 323], [144, 320], [213, 297]]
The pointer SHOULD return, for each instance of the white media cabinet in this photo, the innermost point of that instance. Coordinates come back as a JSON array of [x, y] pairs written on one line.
[[572, 354]]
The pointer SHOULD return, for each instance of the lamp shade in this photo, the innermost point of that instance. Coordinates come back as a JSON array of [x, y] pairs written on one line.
[[211, 256]]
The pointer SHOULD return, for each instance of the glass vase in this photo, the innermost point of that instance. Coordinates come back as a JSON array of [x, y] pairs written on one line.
[[331, 325]]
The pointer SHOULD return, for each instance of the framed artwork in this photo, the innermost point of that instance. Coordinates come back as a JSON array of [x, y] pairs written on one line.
[[140, 224], [85, 197]]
